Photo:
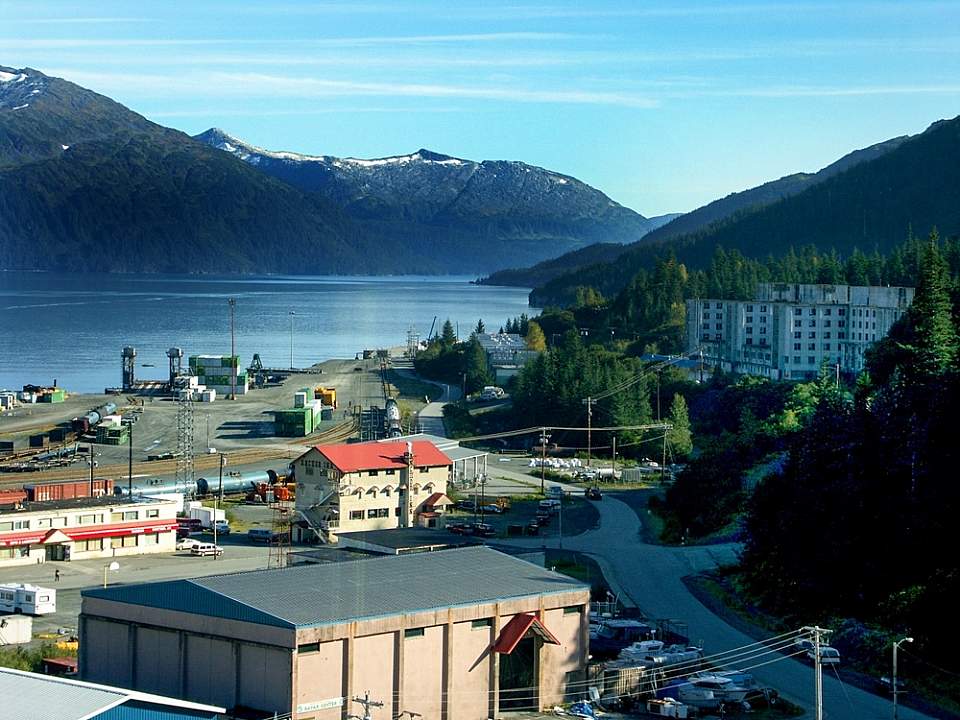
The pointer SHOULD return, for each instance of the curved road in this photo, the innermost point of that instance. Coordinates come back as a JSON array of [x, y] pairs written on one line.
[[651, 576]]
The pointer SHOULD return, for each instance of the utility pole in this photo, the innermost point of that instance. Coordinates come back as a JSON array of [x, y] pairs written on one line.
[[896, 646], [543, 458], [90, 458], [614, 459], [589, 402], [817, 667], [233, 350], [129, 425], [367, 703], [216, 504]]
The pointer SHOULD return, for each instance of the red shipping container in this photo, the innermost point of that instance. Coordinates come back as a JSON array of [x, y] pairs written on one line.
[[11, 497], [68, 489]]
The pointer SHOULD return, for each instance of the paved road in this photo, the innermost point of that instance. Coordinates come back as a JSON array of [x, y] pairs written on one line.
[[651, 576]]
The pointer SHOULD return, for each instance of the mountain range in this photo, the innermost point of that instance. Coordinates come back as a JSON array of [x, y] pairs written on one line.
[[501, 211], [869, 200], [87, 184]]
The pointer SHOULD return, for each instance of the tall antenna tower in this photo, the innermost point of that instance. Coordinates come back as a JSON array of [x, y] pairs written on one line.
[[232, 302], [280, 542], [413, 342], [185, 451]]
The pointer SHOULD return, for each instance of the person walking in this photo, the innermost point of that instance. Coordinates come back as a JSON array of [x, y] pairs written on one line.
[[56, 575]]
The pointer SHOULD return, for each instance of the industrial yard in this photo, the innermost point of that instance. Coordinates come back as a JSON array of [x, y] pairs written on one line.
[[243, 428]]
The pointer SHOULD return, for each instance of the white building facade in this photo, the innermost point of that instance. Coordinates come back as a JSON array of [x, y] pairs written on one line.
[[85, 528], [371, 486], [789, 331]]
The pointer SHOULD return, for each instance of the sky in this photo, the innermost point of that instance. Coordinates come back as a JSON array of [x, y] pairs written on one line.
[[664, 105]]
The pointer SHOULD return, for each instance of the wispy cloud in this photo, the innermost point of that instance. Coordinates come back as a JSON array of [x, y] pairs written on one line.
[[333, 42], [82, 20], [255, 85], [302, 112]]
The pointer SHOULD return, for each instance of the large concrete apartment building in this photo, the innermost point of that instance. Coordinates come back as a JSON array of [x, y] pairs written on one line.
[[460, 634], [788, 331], [352, 487]]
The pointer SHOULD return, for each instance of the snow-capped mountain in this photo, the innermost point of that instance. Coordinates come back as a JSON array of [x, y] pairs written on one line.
[[541, 212]]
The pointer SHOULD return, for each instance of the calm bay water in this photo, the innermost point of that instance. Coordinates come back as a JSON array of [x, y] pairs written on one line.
[[71, 327]]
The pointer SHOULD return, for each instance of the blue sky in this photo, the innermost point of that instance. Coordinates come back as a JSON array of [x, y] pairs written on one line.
[[663, 105]]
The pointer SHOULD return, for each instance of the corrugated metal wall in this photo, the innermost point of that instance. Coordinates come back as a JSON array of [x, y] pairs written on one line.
[[147, 711]]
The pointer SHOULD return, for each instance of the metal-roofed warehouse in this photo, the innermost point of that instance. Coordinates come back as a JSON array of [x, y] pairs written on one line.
[[452, 635]]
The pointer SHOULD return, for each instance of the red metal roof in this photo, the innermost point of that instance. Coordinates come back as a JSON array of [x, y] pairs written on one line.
[[89, 532], [354, 457], [515, 630], [437, 499]]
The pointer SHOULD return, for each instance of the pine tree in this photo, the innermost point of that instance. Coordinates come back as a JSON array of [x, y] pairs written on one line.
[[480, 329], [477, 368], [448, 336], [935, 337], [679, 438]]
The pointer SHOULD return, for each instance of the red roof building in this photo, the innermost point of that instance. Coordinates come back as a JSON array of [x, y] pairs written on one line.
[[354, 487]]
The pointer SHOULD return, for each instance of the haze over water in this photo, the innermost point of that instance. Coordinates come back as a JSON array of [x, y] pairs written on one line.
[[72, 327]]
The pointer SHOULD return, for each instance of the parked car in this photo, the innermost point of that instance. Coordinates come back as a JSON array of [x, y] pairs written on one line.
[[468, 505], [484, 530], [204, 549], [457, 528], [593, 493], [492, 509], [828, 655], [188, 543], [533, 528], [223, 527]]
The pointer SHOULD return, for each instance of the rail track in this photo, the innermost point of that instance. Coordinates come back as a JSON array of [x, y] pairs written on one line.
[[245, 456]]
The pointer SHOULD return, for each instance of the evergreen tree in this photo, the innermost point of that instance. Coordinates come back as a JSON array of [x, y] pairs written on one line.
[[679, 438], [935, 337], [448, 336], [480, 329], [477, 368], [535, 337]]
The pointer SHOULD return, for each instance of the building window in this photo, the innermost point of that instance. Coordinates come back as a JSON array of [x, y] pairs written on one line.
[[396, 511], [413, 632], [153, 513], [811, 360], [706, 338], [826, 347], [43, 522], [763, 319], [786, 359], [308, 648], [813, 311], [372, 513], [706, 326], [482, 623], [763, 308], [812, 335], [796, 359], [798, 311], [811, 346], [796, 346], [719, 306], [719, 326], [124, 542], [797, 334], [841, 335], [749, 318], [826, 323], [717, 337], [826, 336], [151, 539], [826, 311], [763, 331], [571, 610], [372, 473], [356, 514], [391, 472], [706, 316], [424, 469], [88, 545], [841, 323], [749, 331], [749, 308], [841, 311], [812, 323], [749, 341], [87, 520]]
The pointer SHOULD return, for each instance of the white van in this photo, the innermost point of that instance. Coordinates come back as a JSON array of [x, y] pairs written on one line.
[[828, 655], [27, 599], [203, 549]]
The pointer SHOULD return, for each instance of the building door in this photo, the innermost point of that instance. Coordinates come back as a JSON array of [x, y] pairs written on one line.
[[56, 552], [518, 677]]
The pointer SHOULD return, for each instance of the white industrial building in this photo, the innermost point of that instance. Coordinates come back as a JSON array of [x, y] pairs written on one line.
[[506, 353], [788, 331], [85, 528]]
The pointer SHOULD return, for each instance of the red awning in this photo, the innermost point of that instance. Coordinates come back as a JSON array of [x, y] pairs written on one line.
[[517, 629], [90, 532]]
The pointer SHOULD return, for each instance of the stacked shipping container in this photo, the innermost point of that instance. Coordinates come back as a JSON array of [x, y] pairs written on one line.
[[215, 372]]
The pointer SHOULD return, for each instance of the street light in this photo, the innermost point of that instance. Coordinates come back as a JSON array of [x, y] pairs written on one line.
[[114, 566], [896, 646], [291, 314]]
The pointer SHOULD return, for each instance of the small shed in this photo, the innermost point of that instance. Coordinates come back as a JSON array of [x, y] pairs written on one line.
[[15, 629]]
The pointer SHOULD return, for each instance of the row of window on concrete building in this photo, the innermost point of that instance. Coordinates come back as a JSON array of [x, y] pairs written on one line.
[[789, 331]]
